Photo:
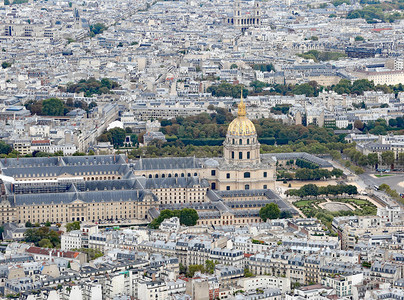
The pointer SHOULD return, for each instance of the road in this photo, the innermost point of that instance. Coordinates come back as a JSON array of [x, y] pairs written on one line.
[[366, 180]]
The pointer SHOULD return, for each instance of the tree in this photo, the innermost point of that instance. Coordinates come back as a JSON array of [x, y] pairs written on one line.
[[233, 66], [118, 136], [285, 214], [28, 224], [359, 38], [247, 272], [379, 130], [5, 65], [270, 211], [45, 243], [97, 29], [210, 266], [5, 148], [359, 124], [373, 159], [192, 269], [48, 224], [73, 226], [401, 158], [337, 172], [53, 107], [188, 217], [388, 157]]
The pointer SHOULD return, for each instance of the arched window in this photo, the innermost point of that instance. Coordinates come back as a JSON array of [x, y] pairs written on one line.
[[233, 142], [150, 176], [240, 155], [156, 176], [241, 142], [248, 141], [232, 154], [247, 175]]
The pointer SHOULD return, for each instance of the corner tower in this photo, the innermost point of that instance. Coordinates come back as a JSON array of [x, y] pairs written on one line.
[[241, 146]]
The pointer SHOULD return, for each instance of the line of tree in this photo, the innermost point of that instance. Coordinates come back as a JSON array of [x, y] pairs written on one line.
[[280, 109], [345, 86], [264, 67], [322, 55], [214, 126], [225, 89], [302, 163], [391, 192], [56, 106], [91, 87], [310, 174], [372, 159], [373, 14], [312, 89], [380, 126], [314, 190], [42, 237], [187, 216]]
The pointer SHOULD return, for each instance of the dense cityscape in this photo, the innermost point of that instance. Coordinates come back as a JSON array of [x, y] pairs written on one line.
[[195, 149]]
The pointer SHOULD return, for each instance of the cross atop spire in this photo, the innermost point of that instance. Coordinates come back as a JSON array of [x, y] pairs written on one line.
[[241, 106]]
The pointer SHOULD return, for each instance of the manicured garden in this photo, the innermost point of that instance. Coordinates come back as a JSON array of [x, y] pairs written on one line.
[[311, 208]]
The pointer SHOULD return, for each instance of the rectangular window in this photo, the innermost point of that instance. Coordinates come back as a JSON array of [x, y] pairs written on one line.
[[240, 155], [232, 154], [265, 174], [248, 155], [228, 175], [265, 186], [213, 172], [228, 188]]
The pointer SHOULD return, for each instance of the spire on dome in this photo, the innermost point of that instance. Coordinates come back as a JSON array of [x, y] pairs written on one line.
[[241, 106]]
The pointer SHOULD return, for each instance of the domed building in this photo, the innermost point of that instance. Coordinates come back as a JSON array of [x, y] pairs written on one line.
[[241, 167], [241, 145]]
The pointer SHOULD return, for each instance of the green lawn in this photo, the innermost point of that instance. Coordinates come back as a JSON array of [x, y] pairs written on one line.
[[383, 175], [302, 203]]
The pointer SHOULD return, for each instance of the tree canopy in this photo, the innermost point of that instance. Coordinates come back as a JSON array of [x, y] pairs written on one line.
[[187, 216], [73, 226], [91, 87], [116, 136], [270, 211]]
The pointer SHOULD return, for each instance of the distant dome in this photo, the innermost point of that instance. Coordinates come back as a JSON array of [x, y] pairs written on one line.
[[241, 126]]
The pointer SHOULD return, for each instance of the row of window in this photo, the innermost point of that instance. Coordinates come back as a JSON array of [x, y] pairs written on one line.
[[246, 174], [241, 141], [240, 155]]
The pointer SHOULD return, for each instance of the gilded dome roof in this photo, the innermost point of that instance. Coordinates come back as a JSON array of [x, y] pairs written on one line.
[[241, 126]]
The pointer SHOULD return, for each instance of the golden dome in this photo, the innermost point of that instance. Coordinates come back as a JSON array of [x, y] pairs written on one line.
[[241, 126]]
